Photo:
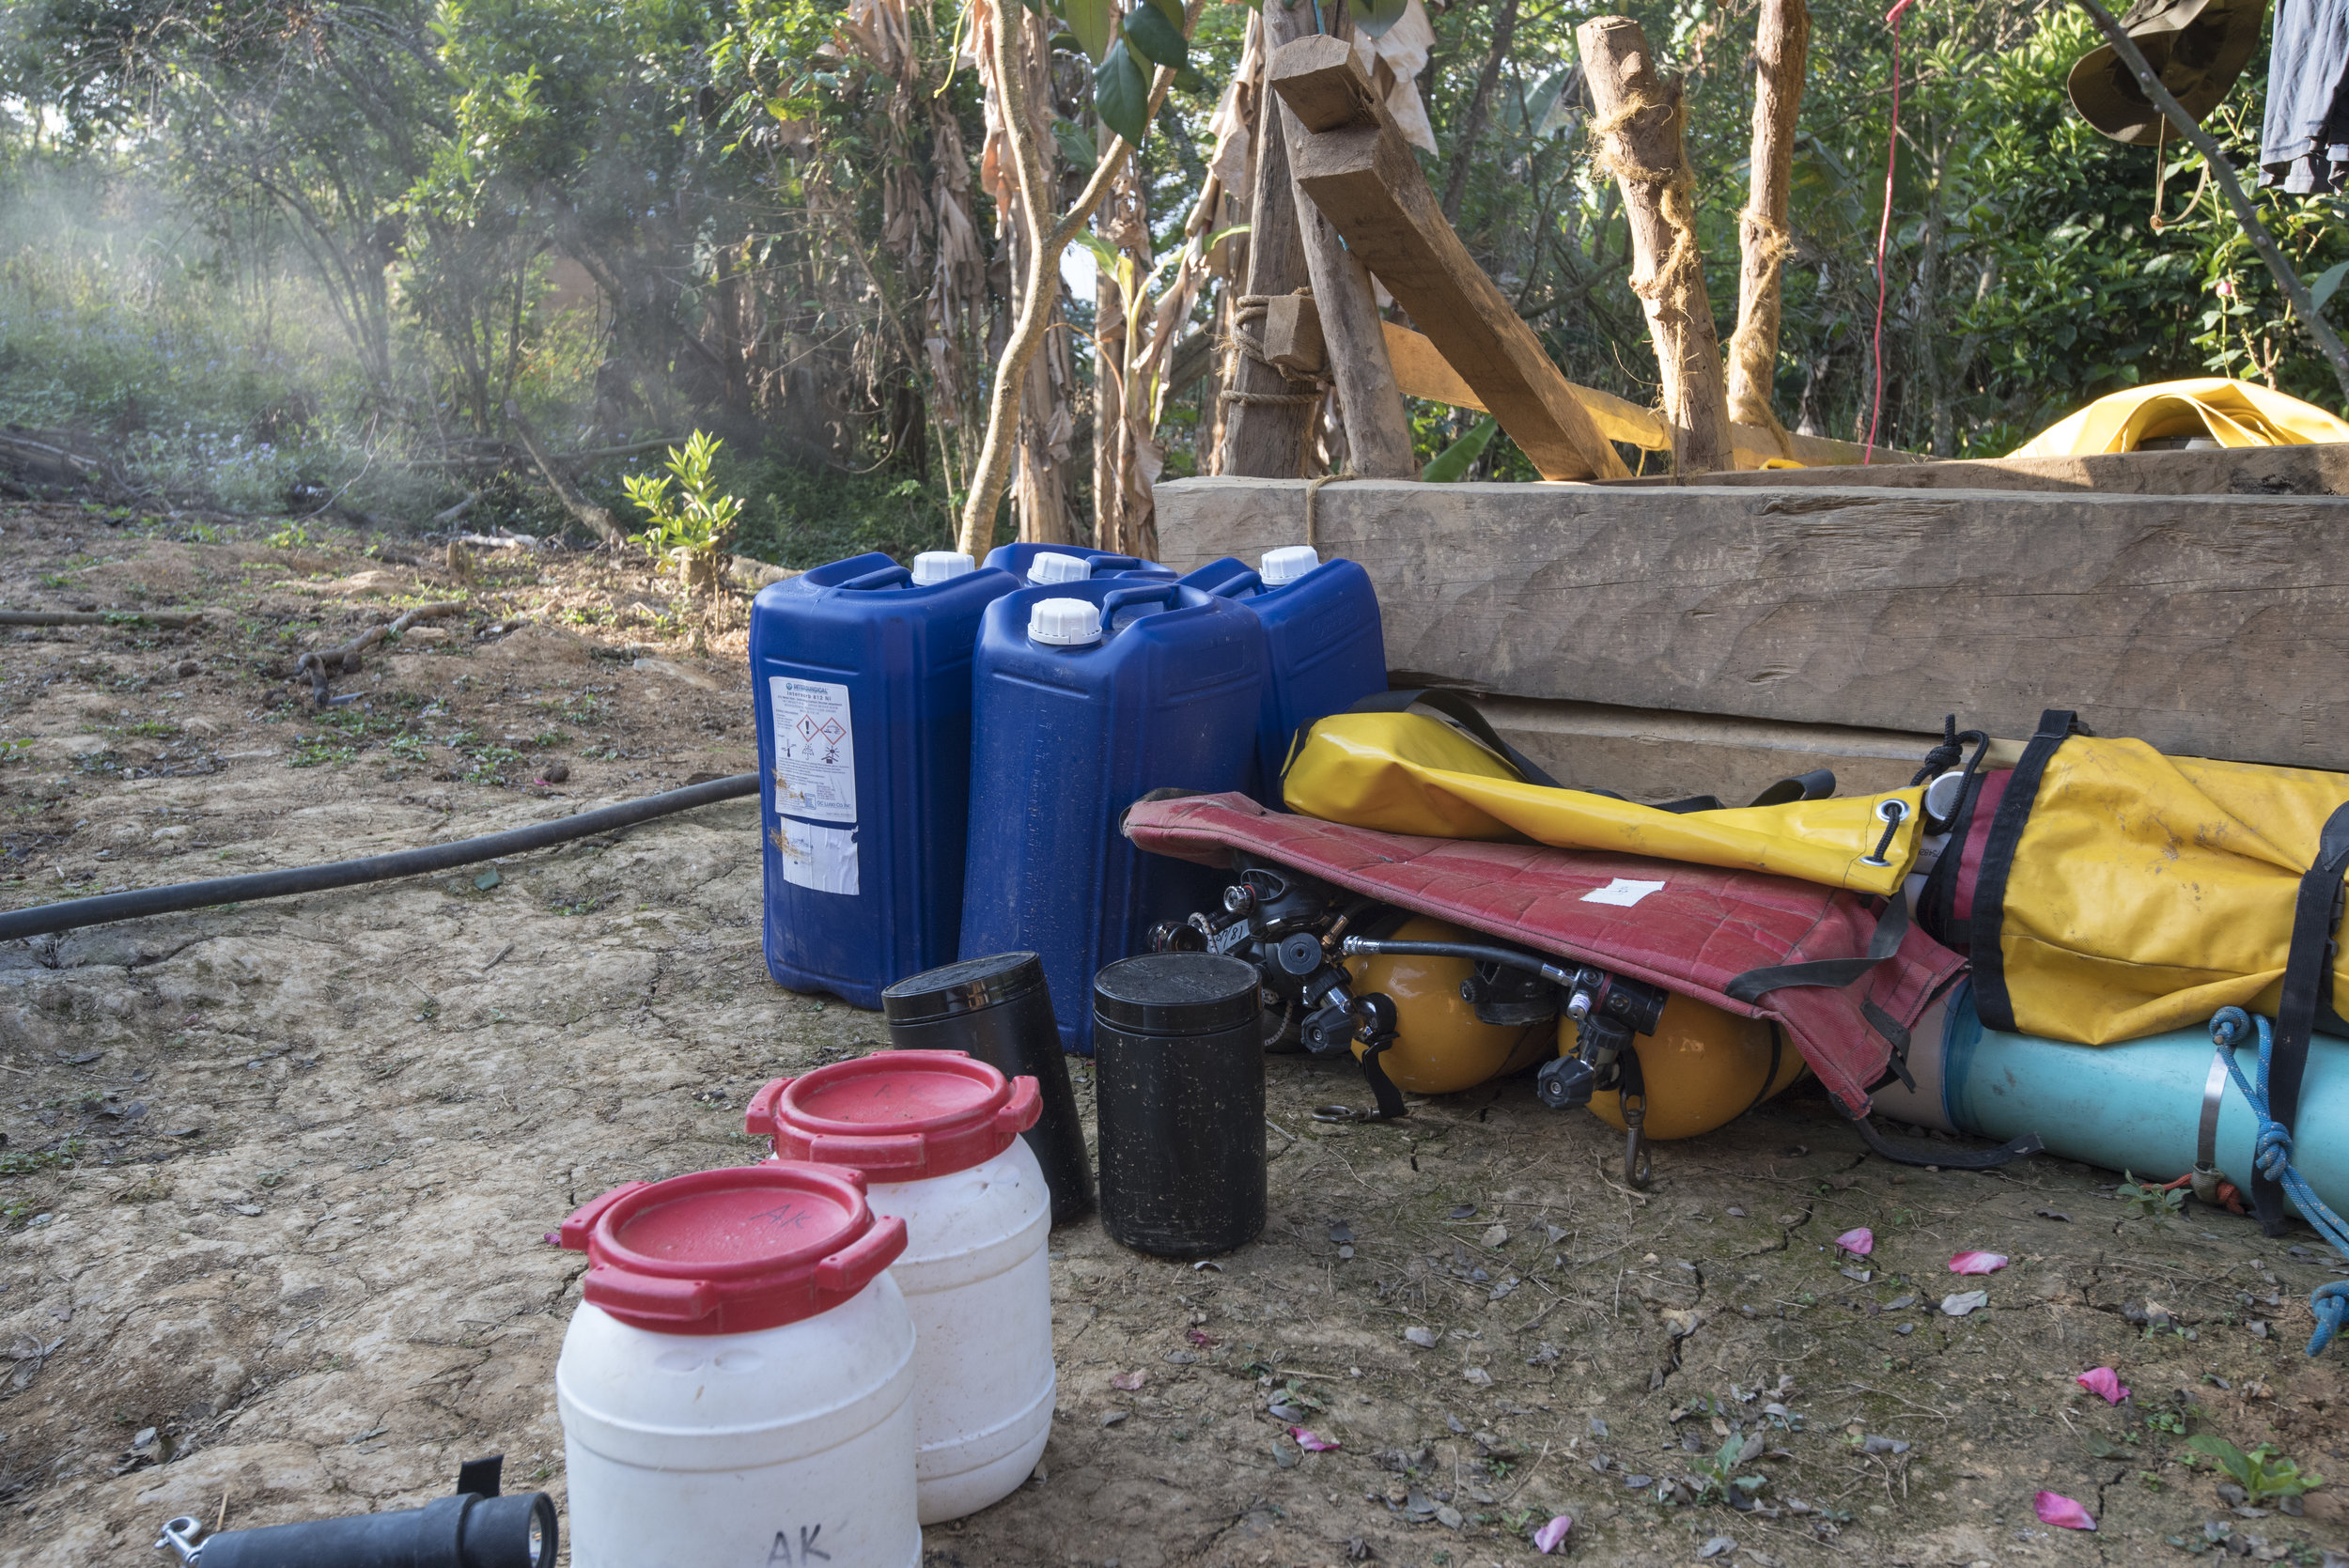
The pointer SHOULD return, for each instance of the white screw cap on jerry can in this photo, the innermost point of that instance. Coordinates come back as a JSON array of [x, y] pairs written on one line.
[[1065, 622], [937, 1134], [736, 1387], [1286, 564], [1052, 566], [934, 566]]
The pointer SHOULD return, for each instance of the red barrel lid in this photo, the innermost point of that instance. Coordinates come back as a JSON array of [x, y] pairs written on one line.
[[731, 1251], [896, 1115]]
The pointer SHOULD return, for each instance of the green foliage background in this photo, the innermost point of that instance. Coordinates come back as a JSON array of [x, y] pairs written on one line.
[[256, 247]]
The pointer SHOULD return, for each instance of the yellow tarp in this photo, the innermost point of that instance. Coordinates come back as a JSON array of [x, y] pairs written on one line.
[[1407, 773], [2231, 412]]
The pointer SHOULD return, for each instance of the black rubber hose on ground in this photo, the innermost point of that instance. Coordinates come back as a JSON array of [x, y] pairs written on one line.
[[71, 915]]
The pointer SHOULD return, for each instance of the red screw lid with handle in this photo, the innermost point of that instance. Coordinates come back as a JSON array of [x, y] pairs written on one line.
[[897, 1115], [731, 1251]]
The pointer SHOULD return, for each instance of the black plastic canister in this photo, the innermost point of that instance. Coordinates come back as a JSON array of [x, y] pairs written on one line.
[[1178, 1057], [1000, 1010]]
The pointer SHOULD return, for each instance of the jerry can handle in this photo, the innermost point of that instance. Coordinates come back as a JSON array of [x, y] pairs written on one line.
[[888, 577], [1112, 602], [1239, 582]]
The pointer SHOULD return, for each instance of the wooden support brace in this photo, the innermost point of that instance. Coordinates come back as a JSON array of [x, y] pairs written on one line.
[[1422, 372], [1363, 177]]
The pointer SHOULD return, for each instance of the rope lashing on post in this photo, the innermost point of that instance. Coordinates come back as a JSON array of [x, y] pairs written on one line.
[[2272, 1154], [1252, 307]]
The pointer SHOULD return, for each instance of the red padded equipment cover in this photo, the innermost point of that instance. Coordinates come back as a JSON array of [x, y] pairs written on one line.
[[1698, 932]]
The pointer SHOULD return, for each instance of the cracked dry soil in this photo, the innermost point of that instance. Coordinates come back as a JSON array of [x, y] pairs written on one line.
[[276, 1178]]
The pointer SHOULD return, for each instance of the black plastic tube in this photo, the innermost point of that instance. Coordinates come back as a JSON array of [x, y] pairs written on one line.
[[1507, 958], [71, 915]]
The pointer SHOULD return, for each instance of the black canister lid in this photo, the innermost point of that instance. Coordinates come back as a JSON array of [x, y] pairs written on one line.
[[1175, 993], [971, 985]]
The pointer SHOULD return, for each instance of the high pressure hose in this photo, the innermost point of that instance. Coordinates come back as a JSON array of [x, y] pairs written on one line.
[[43, 919]]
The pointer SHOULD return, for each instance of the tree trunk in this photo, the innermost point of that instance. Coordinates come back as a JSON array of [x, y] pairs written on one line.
[[1266, 413], [1109, 332], [1781, 46], [1472, 124], [1638, 126]]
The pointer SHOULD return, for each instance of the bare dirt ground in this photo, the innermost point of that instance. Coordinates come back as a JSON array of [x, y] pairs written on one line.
[[276, 1178]]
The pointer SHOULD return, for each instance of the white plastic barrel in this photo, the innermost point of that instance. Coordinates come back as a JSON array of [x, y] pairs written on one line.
[[937, 1135], [736, 1388]]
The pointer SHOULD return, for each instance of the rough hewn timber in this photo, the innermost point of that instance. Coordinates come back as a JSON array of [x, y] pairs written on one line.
[[2206, 625]]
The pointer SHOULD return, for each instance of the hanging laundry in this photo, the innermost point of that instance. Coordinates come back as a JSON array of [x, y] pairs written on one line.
[[2304, 140]]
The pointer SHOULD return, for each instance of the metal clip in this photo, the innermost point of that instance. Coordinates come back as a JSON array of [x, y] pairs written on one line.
[[1637, 1167], [180, 1535]]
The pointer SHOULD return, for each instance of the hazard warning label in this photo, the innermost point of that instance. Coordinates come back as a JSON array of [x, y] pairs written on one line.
[[814, 750]]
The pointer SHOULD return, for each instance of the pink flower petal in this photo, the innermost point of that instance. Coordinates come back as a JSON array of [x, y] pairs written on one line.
[[2062, 1512], [1977, 1262], [1311, 1442], [2102, 1380], [1126, 1381], [1552, 1535], [1858, 1243]]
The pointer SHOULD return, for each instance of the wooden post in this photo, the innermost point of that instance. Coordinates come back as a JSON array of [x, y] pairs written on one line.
[[1378, 431], [1781, 46], [1360, 174], [1639, 129], [1264, 412]]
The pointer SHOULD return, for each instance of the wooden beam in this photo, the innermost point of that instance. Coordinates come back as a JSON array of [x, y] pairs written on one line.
[[1292, 335], [1377, 432], [1638, 126], [1422, 372], [2208, 626], [1365, 179]]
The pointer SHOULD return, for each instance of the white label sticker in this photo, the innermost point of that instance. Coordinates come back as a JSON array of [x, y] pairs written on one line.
[[817, 857], [814, 750], [1622, 892]]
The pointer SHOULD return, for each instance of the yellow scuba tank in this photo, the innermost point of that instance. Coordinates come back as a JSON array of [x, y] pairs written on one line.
[[1440, 1045], [1703, 1069]]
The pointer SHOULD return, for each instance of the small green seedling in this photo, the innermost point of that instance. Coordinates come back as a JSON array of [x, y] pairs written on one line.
[[2261, 1473], [2147, 1202]]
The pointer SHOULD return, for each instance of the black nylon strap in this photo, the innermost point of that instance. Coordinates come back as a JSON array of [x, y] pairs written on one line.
[[1455, 705], [1818, 784], [1915, 1151], [1896, 1036], [1382, 1090], [2308, 994], [1834, 972], [2056, 726]]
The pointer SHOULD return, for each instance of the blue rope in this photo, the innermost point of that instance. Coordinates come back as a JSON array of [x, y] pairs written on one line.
[[2272, 1154]]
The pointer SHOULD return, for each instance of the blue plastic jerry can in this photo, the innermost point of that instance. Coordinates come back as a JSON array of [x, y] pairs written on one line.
[[861, 673], [1324, 647], [1041, 565], [1085, 697]]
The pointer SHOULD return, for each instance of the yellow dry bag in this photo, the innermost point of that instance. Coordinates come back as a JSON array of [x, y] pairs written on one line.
[[2124, 893], [1377, 766]]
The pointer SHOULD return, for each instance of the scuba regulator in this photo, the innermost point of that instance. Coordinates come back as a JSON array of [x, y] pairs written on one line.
[[1297, 931]]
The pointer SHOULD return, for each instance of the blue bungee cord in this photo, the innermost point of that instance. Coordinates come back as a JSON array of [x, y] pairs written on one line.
[[2272, 1153]]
